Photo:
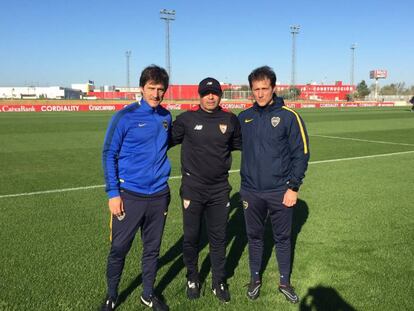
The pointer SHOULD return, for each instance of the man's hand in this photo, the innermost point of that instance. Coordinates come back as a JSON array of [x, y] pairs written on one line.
[[116, 206], [290, 198]]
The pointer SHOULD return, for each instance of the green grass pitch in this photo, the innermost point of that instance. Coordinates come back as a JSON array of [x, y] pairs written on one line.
[[353, 232]]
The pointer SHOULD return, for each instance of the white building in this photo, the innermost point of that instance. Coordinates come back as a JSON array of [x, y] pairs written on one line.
[[128, 89], [35, 92], [84, 87]]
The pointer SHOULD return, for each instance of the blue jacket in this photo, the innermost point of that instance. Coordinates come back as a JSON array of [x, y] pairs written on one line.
[[275, 149], [135, 150]]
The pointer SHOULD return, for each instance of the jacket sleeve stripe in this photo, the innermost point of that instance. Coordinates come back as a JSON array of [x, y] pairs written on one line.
[[110, 227], [302, 131]]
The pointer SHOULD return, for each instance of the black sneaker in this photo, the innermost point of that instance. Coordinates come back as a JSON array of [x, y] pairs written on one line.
[[289, 293], [193, 290], [108, 305], [253, 289], [221, 291], [155, 303]]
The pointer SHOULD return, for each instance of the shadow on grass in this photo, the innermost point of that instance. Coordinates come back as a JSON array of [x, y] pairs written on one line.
[[173, 254], [176, 254], [236, 232], [235, 229], [300, 216], [174, 258], [322, 298]]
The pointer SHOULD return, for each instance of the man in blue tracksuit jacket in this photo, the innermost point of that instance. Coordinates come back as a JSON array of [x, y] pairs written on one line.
[[275, 155], [136, 171]]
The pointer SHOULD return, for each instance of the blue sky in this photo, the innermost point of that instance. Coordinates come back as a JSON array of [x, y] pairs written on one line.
[[59, 42]]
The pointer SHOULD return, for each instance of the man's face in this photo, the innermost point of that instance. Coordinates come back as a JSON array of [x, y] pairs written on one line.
[[262, 91], [153, 93], [209, 102]]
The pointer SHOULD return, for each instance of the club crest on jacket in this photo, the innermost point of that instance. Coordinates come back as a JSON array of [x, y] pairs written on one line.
[[275, 121], [165, 124], [223, 128], [121, 216], [186, 203]]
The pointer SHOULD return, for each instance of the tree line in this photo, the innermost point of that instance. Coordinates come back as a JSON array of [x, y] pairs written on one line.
[[363, 90]]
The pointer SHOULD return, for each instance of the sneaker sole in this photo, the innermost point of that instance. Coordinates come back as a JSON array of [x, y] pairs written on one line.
[[253, 295], [223, 301], [146, 303], [289, 297], [193, 298]]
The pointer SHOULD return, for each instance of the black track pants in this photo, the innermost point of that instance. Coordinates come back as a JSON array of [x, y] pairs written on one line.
[[214, 206]]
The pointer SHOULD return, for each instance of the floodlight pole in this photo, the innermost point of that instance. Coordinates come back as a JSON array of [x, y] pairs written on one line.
[[294, 30], [353, 47], [167, 15], [127, 55]]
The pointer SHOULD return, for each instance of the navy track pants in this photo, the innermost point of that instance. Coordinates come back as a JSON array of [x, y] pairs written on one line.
[[257, 207], [149, 214]]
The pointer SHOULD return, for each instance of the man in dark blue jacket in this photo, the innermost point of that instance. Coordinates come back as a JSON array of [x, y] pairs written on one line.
[[136, 171], [275, 156]]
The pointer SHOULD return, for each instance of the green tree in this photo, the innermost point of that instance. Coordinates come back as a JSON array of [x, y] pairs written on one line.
[[362, 89], [396, 89], [291, 93], [350, 97], [400, 88], [294, 91], [244, 88]]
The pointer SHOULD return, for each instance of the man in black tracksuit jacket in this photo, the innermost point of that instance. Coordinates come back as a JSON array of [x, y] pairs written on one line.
[[208, 135], [274, 160]]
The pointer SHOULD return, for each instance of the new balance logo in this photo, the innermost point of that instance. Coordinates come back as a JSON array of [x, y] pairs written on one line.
[[198, 127]]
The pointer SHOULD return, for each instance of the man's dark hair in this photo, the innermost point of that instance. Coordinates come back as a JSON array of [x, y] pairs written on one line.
[[155, 74], [262, 73]]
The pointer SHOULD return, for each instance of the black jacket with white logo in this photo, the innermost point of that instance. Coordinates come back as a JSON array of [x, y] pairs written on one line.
[[207, 141], [275, 147]]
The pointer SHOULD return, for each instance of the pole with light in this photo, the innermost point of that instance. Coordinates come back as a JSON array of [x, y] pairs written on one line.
[[167, 15], [294, 30]]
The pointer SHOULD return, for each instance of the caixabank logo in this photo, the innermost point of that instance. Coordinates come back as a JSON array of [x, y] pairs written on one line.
[[17, 108]]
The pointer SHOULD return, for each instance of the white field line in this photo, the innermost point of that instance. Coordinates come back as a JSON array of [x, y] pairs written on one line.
[[60, 190], [364, 140], [362, 157], [179, 177]]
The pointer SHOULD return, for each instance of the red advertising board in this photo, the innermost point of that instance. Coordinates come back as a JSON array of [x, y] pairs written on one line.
[[378, 74], [189, 106], [59, 108], [337, 91]]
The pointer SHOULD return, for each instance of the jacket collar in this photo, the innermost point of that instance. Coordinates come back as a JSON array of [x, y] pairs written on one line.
[[276, 103], [146, 107], [199, 110]]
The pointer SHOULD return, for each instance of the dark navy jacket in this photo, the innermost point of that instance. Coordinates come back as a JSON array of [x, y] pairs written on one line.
[[275, 149], [135, 150]]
